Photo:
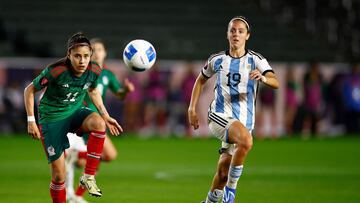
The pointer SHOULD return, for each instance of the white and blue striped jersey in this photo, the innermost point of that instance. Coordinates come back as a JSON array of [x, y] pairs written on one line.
[[235, 92]]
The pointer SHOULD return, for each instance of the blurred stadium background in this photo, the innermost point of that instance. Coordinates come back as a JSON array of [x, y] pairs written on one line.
[[313, 120]]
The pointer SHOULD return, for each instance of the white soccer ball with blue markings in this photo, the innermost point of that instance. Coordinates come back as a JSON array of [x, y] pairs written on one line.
[[139, 55]]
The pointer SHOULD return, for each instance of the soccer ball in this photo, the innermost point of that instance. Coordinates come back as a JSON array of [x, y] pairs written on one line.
[[139, 55]]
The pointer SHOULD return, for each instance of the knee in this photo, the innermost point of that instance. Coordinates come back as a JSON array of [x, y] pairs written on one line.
[[98, 123], [241, 137], [246, 143], [109, 156], [58, 176]]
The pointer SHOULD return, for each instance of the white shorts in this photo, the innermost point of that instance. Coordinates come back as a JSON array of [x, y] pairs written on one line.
[[76, 142], [219, 125]]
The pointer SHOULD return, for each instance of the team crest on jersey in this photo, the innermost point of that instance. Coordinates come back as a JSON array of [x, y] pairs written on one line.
[[248, 67], [44, 81], [105, 80], [51, 150], [87, 85]]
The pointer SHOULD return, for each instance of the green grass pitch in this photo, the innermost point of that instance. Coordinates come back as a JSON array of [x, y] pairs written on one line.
[[180, 171]]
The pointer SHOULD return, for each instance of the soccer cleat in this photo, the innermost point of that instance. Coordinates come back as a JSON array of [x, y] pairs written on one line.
[[229, 195], [89, 182]]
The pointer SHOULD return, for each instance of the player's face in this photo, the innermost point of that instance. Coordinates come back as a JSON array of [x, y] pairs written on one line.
[[99, 53], [237, 34], [80, 58]]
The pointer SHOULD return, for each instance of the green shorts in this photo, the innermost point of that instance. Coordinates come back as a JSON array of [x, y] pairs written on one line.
[[53, 134]]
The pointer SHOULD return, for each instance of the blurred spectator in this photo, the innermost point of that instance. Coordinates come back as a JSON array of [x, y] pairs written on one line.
[[336, 105], [155, 104], [176, 108], [313, 102], [266, 108], [351, 96], [133, 117], [291, 100], [187, 86], [13, 102]]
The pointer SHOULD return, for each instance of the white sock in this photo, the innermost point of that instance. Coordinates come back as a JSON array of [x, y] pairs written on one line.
[[69, 180], [214, 197], [234, 175]]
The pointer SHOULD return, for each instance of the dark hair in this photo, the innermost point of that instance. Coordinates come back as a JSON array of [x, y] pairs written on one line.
[[78, 39], [98, 40], [243, 19]]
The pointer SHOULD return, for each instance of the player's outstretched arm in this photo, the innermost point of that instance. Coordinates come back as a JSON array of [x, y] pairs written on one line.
[[112, 124], [269, 78], [128, 87], [197, 89], [29, 97]]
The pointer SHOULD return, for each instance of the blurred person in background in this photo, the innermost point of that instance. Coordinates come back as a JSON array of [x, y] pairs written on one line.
[[13, 102], [291, 101], [187, 85], [133, 105], [231, 115], [351, 98], [155, 103], [266, 107], [67, 81], [313, 102], [77, 151], [176, 109]]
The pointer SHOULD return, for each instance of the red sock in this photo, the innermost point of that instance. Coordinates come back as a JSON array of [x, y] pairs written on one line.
[[58, 192], [80, 191], [94, 150], [82, 154]]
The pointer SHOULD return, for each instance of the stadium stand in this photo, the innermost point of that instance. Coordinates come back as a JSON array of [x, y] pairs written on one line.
[[185, 29]]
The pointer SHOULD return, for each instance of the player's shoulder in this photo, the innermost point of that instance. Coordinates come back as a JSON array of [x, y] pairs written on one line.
[[255, 54], [94, 68], [57, 68], [216, 55]]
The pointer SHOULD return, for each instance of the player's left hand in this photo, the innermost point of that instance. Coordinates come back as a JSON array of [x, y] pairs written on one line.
[[129, 85], [256, 75], [113, 125]]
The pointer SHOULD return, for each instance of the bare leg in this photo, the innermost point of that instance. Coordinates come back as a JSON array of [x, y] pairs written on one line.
[[239, 135], [221, 175], [109, 151], [219, 181]]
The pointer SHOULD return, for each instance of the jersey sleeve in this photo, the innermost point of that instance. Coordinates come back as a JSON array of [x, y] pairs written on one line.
[[96, 71], [114, 83], [263, 65], [43, 79], [95, 82], [208, 69]]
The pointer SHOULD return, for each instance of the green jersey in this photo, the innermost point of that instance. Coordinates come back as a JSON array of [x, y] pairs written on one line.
[[107, 80], [64, 92]]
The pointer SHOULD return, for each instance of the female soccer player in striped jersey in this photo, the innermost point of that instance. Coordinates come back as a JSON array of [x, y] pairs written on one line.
[[232, 113], [67, 82]]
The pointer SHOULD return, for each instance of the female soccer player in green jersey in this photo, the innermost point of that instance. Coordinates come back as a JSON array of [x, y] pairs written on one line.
[[107, 81], [67, 81]]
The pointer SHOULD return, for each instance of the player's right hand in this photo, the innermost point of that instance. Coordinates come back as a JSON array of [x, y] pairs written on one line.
[[33, 130], [129, 85], [193, 119]]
